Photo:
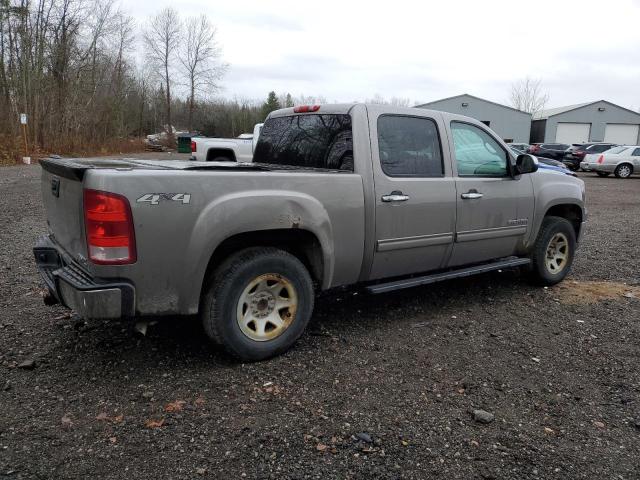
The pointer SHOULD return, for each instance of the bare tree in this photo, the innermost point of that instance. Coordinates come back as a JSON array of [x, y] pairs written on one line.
[[527, 95], [162, 39], [200, 60]]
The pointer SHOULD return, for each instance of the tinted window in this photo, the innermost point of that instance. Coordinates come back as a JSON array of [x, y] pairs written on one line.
[[409, 146], [315, 141], [598, 148], [636, 152], [477, 153]]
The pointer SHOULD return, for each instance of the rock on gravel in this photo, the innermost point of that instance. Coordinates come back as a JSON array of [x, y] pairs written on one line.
[[482, 416], [27, 364]]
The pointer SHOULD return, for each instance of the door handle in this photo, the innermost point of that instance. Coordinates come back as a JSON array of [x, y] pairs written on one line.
[[471, 194], [395, 196]]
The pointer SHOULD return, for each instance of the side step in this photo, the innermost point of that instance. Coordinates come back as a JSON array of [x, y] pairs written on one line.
[[438, 277]]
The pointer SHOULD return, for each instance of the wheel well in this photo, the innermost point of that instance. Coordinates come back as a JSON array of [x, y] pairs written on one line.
[[301, 243], [220, 152], [569, 211], [625, 163]]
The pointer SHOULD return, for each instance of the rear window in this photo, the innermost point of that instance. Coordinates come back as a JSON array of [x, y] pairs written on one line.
[[310, 141], [598, 148]]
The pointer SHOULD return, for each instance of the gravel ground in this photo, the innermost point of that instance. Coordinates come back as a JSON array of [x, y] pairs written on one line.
[[380, 386]]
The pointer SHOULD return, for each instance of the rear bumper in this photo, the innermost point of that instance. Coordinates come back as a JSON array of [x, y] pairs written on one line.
[[72, 286], [586, 166]]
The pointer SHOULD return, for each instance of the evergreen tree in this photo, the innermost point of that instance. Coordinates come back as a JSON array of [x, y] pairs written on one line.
[[271, 104], [288, 101]]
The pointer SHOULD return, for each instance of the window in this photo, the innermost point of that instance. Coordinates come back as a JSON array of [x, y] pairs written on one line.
[[617, 150], [477, 153], [409, 147], [312, 141], [598, 148], [636, 152]]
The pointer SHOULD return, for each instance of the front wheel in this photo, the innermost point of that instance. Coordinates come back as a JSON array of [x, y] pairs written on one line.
[[553, 251], [623, 170], [257, 303], [603, 174]]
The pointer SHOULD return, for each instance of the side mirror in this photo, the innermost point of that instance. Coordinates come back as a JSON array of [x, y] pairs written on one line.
[[526, 163]]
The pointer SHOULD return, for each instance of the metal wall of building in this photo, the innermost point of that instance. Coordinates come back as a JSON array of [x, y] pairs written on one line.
[[507, 122], [612, 114]]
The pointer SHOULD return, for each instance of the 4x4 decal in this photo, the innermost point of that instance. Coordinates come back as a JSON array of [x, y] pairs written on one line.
[[155, 198]]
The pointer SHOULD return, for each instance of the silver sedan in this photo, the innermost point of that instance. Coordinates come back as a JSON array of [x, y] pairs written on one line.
[[622, 161]]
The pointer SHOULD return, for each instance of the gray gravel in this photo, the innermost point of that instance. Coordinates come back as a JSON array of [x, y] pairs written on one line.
[[380, 386]]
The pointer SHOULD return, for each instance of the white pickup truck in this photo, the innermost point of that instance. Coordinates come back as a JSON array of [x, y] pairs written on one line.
[[238, 149]]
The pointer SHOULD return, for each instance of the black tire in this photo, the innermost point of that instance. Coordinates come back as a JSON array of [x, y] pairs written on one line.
[[552, 226], [624, 170], [221, 158], [603, 174], [220, 302]]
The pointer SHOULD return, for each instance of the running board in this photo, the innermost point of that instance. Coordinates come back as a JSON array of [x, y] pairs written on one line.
[[438, 277]]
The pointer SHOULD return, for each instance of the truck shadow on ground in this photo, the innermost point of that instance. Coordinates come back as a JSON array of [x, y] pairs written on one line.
[[338, 313]]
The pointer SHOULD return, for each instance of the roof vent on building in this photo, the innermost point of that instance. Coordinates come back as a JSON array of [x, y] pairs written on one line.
[[601, 109], [465, 104]]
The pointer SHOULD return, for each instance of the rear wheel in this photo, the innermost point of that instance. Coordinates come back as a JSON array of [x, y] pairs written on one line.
[[624, 170], [257, 303], [553, 251], [603, 174]]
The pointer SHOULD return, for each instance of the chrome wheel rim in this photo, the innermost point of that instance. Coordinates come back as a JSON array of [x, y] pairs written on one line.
[[267, 307], [624, 171], [557, 253]]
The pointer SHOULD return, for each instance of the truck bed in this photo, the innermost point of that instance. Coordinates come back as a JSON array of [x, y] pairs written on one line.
[[176, 239]]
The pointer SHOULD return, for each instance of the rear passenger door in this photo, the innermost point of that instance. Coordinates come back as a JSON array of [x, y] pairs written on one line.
[[494, 209], [415, 202]]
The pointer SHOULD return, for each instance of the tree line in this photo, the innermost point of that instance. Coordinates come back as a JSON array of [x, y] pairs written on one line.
[[89, 78]]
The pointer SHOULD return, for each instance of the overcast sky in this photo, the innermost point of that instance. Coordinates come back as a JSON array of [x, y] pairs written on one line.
[[425, 51]]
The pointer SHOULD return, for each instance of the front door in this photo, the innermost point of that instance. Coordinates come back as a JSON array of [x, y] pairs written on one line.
[[415, 201], [494, 209]]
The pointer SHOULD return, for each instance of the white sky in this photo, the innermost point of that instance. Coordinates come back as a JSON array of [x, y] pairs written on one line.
[[344, 51]]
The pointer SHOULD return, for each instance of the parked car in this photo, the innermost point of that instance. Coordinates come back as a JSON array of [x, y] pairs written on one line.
[[521, 147], [576, 153], [622, 161], [548, 164], [238, 149], [382, 196], [549, 150]]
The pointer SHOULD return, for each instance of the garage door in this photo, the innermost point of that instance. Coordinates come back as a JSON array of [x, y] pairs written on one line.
[[621, 133], [573, 132]]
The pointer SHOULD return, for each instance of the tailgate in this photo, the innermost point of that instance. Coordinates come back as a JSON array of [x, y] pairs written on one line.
[[62, 197]]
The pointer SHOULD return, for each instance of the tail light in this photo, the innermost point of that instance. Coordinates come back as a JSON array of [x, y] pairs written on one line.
[[194, 147], [601, 159], [109, 228], [306, 108]]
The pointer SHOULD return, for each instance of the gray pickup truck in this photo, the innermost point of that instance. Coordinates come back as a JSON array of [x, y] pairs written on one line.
[[385, 197]]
